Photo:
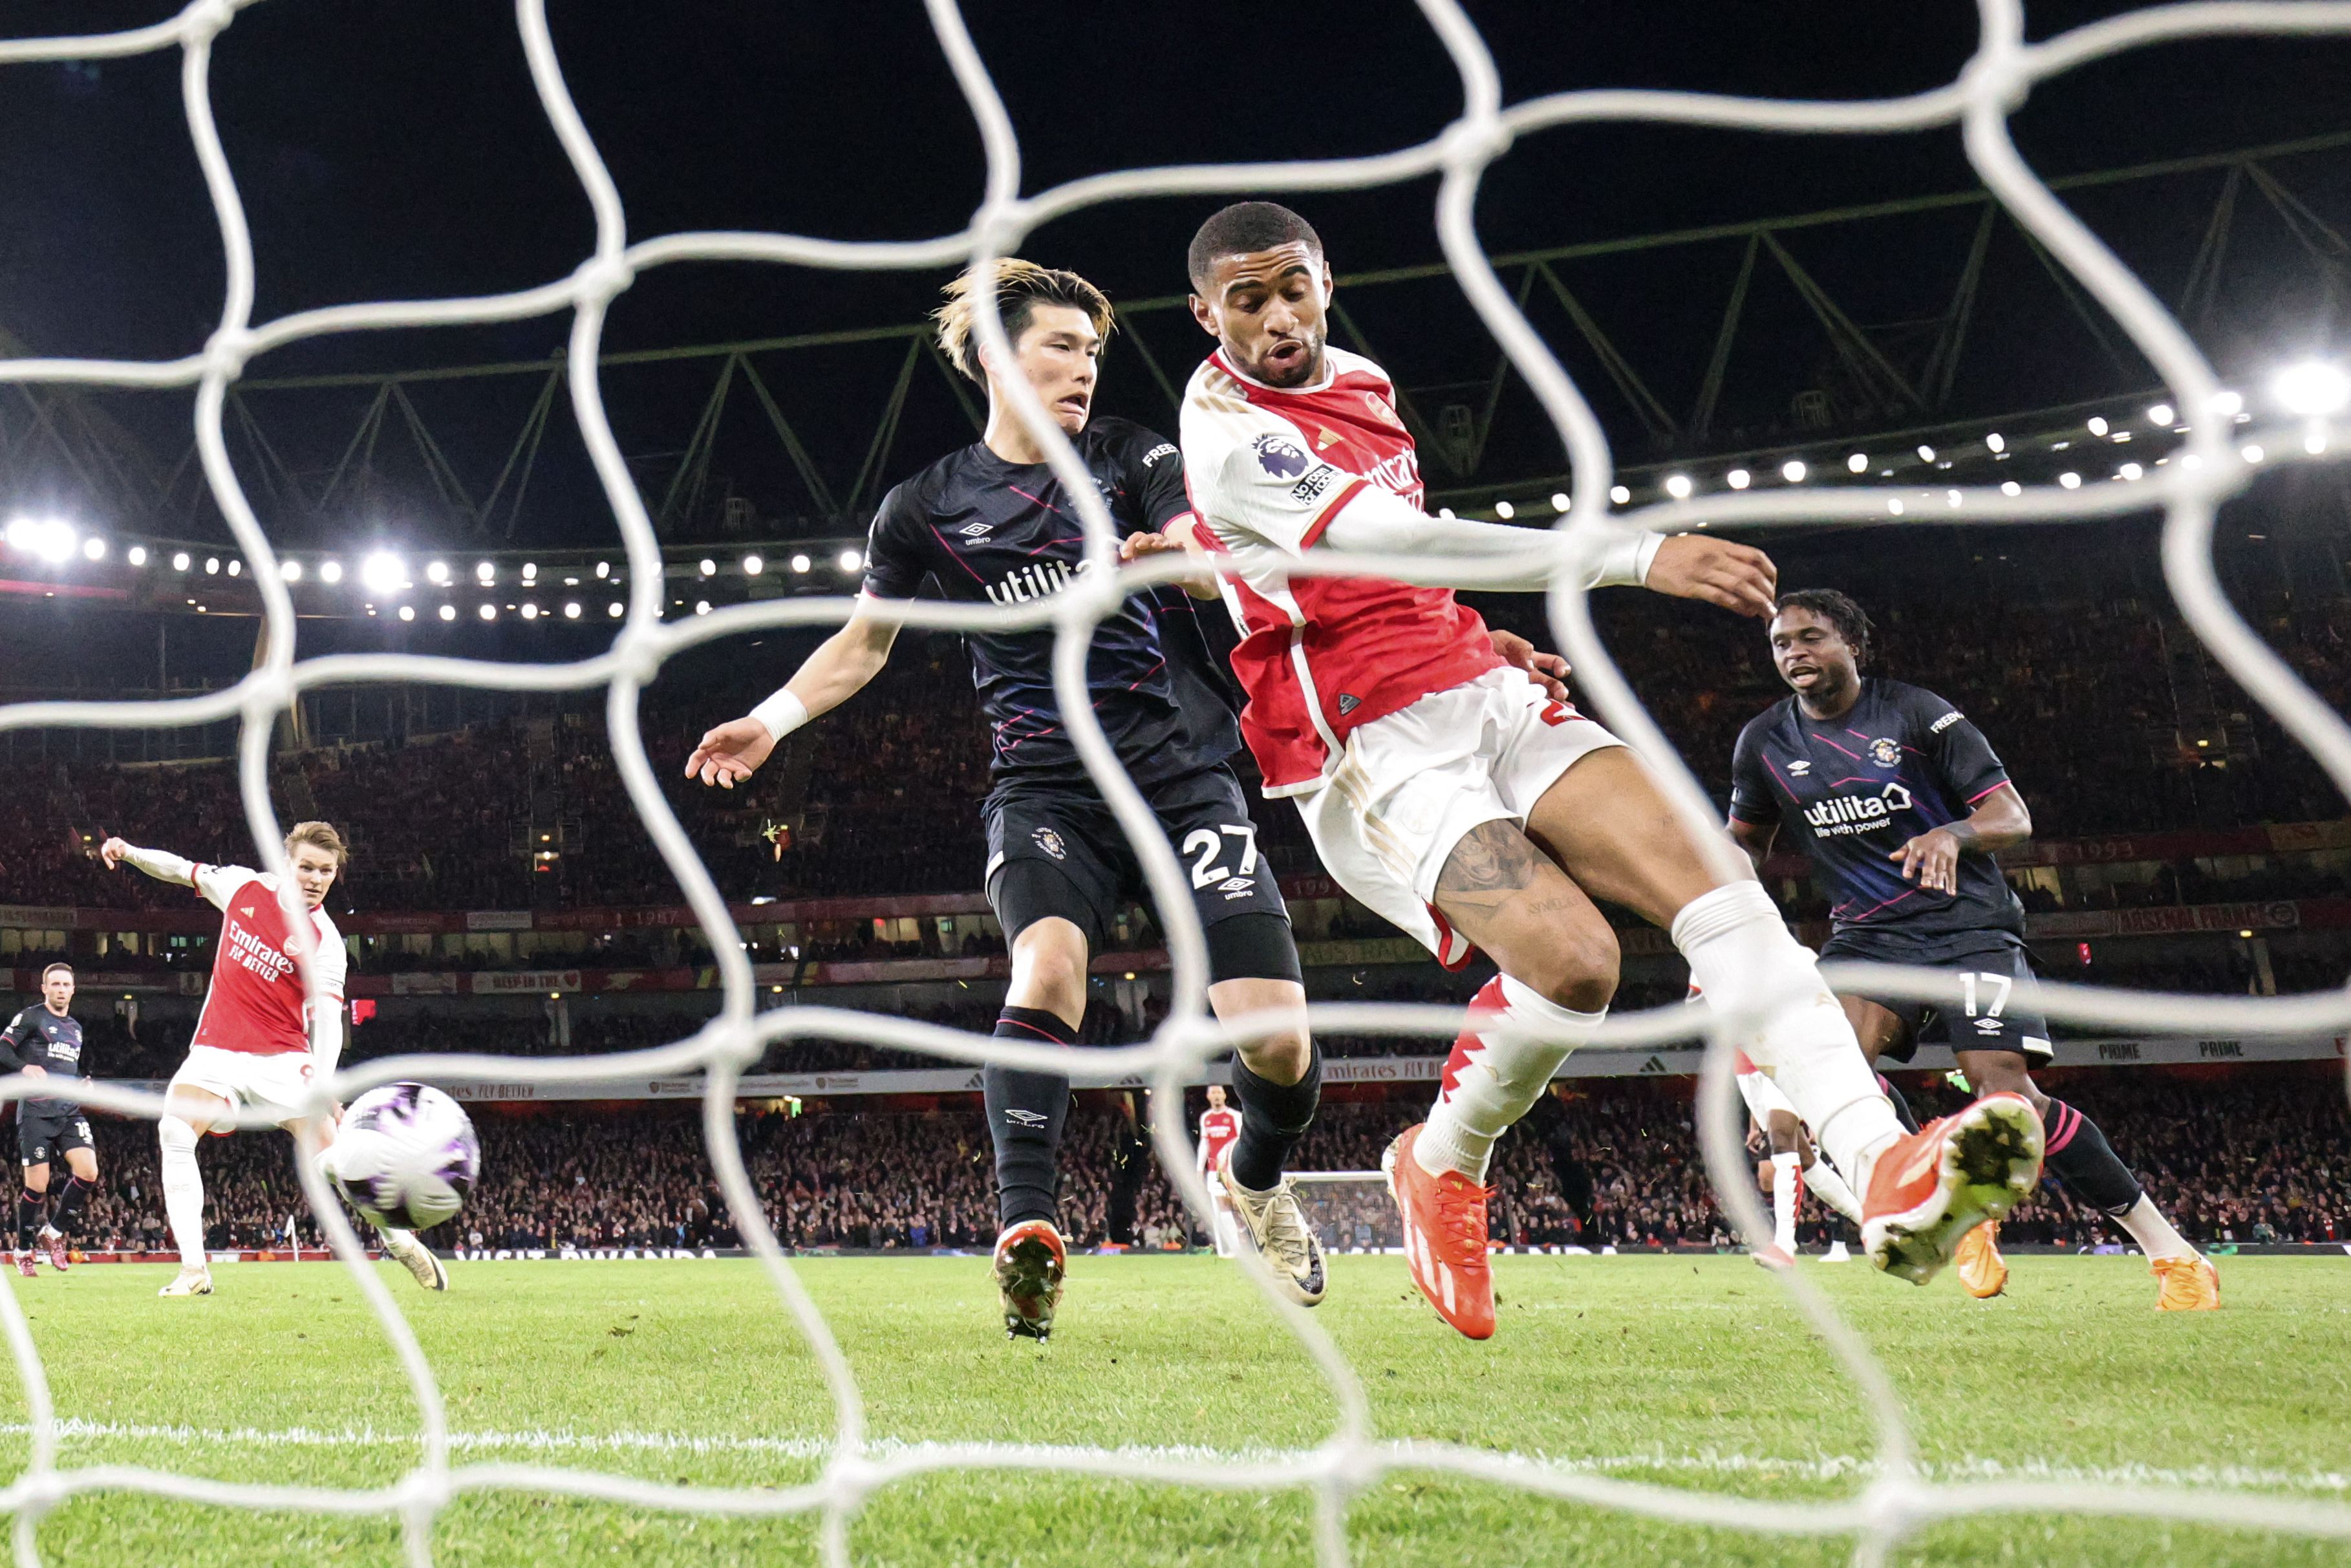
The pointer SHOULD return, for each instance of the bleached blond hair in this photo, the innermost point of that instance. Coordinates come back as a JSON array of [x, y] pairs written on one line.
[[1020, 288]]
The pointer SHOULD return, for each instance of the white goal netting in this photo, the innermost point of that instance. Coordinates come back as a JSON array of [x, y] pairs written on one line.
[[1899, 1501]]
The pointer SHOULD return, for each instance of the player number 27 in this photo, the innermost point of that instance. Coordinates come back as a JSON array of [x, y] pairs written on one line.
[[1203, 843]]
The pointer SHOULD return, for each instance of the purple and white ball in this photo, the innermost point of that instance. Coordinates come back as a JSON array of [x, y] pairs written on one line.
[[405, 1155]]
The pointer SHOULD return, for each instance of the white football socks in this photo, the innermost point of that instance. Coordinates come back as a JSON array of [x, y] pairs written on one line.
[[1492, 1079], [1743, 959], [1830, 1188], [183, 1188], [2154, 1234], [1787, 1182]]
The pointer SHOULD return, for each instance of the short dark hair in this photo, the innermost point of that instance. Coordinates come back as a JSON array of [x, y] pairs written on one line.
[[1851, 620], [53, 968], [1243, 229], [1020, 288]]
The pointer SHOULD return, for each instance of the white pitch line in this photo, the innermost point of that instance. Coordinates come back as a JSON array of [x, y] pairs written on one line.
[[1818, 1468]]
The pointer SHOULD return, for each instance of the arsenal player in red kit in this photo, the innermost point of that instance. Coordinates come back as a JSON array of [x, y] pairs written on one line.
[[1453, 795], [259, 1042]]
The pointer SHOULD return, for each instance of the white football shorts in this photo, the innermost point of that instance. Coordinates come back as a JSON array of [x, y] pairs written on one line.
[[1408, 787], [275, 1085]]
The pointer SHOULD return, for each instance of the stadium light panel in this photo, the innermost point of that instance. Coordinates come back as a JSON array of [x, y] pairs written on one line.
[[330, 571], [603, 569], [530, 571], [1505, 511], [2315, 442], [1560, 501], [2313, 389], [2097, 425], [1739, 479], [530, 610], [2011, 487], [383, 572], [291, 570], [1857, 463], [408, 612], [1894, 507], [436, 572], [1793, 471], [2130, 471], [489, 612], [1996, 442], [850, 560], [707, 567], [179, 561], [1619, 493], [753, 566], [2228, 404], [212, 565], [93, 548], [2253, 453], [2161, 413], [572, 610], [448, 612], [2070, 481], [136, 554], [1679, 487], [615, 609], [702, 607], [1925, 453], [800, 563], [487, 573], [236, 569]]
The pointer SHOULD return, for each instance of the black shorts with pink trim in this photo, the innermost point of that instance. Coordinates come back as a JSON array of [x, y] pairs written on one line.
[[1994, 1003]]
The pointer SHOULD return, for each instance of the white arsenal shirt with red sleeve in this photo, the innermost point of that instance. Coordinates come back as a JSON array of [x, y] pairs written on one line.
[[256, 1002], [1268, 470]]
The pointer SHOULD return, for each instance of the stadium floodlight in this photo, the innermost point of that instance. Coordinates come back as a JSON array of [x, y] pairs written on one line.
[[1793, 471], [2011, 487], [179, 561], [2313, 389], [2070, 481], [2161, 413], [800, 563], [530, 571], [93, 548], [1954, 499], [2130, 471], [212, 565], [615, 610], [2097, 425], [702, 607], [707, 567], [603, 569], [2313, 441], [1739, 479], [1679, 487], [753, 566], [1857, 463], [489, 612], [530, 610], [1925, 453], [850, 560], [1996, 442], [1619, 493], [2228, 404], [436, 572], [136, 554], [448, 612], [291, 570], [236, 569], [383, 572], [486, 574], [2253, 453], [330, 571], [408, 612], [48, 537], [1894, 507], [572, 610], [1560, 501]]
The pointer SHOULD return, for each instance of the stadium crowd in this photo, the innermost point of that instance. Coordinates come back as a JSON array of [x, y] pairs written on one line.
[[2260, 1154], [2096, 706]]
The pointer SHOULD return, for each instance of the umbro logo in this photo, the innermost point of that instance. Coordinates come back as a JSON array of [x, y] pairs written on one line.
[[976, 530], [1020, 1118], [1799, 768]]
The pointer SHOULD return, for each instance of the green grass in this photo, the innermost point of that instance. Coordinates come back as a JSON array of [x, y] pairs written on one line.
[[1684, 1372]]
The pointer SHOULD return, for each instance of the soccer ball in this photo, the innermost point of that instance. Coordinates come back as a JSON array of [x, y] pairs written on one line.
[[404, 1155]]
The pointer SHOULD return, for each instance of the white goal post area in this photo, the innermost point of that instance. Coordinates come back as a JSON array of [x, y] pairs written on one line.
[[1897, 1501]]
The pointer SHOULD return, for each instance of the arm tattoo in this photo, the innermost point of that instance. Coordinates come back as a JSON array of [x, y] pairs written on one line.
[[1492, 857]]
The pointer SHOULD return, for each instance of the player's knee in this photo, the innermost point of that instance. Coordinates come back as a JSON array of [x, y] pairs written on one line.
[[1580, 970], [1280, 1056], [177, 1134]]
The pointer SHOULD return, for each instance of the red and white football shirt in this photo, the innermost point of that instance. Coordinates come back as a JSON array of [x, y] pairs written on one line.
[[257, 1003], [1268, 470], [1218, 1128]]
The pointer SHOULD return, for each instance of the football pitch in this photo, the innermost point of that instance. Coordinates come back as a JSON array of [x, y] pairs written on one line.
[[1684, 1372]]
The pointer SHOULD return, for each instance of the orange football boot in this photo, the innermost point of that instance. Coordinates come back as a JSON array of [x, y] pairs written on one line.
[[1931, 1187], [1443, 1236]]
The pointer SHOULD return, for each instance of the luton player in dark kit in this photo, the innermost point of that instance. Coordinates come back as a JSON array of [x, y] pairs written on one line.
[[45, 1042], [1901, 804]]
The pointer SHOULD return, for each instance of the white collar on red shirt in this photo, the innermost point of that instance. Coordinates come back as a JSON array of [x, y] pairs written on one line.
[[1329, 375]]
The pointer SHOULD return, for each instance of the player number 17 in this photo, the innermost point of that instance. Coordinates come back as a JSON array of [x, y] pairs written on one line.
[[1203, 843]]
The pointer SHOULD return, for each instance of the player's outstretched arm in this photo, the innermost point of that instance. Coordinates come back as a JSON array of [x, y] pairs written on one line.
[[1177, 538], [839, 669], [160, 864], [1755, 838], [2001, 821]]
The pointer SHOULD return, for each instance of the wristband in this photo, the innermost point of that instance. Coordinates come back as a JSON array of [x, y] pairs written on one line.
[[781, 712]]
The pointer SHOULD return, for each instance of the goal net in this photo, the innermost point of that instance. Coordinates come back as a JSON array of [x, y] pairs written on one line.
[[1899, 1501]]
